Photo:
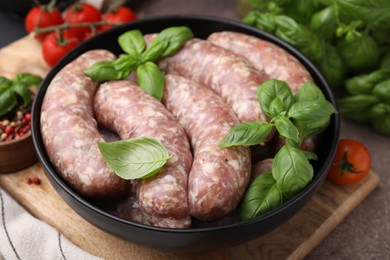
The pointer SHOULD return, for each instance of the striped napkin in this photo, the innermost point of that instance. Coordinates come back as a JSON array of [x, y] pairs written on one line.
[[23, 236]]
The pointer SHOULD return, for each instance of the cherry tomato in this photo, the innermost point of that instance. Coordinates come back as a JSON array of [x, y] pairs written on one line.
[[81, 13], [119, 15], [351, 163], [53, 49], [41, 17]]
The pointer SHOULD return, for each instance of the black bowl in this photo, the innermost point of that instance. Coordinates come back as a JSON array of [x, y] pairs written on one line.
[[196, 239]]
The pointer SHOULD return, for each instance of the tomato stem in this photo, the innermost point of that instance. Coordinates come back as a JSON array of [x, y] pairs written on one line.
[[346, 166], [67, 25]]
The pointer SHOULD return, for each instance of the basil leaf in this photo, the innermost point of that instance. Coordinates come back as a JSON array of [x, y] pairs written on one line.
[[28, 79], [382, 124], [382, 91], [248, 133], [261, 196], [176, 38], [310, 127], [310, 155], [287, 129], [357, 107], [311, 117], [151, 79], [331, 66], [135, 158], [361, 54], [309, 91], [379, 110], [302, 10], [272, 89], [155, 50], [370, 12], [105, 70], [132, 42], [23, 91], [7, 100], [292, 170], [4, 80], [263, 21], [363, 84], [312, 110], [276, 107], [324, 22], [126, 63]]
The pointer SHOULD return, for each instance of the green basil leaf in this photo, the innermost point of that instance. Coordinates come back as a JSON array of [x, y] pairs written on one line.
[[363, 84], [248, 133], [135, 158], [331, 66], [357, 107], [312, 110], [292, 170], [132, 42], [126, 63], [382, 91], [105, 70], [382, 124], [310, 155], [7, 100], [311, 117], [176, 38], [385, 61], [379, 110], [23, 91], [272, 89], [307, 128], [298, 35], [324, 22], [370, 12], [309, 91], [263, 21], [302, 10], [155, 50], [261, 196], [4, 80], [287, 129], [28, 79], [151, 79], [361, 54], [276, 107]]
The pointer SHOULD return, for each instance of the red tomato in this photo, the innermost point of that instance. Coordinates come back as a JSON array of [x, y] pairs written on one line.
[[81, 13], [351, 163], [41, 17], [53, 49], [119, 15]]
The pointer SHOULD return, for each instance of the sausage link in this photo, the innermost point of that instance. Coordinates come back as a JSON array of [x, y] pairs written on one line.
[[125, 108], [265, 56], [218, 177], [227, 74], [70, 133]]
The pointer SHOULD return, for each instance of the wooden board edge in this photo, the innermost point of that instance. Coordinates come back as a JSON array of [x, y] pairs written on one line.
[[336, 218]]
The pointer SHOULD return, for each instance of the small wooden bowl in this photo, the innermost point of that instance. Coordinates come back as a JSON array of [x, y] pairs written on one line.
[[17, 154]]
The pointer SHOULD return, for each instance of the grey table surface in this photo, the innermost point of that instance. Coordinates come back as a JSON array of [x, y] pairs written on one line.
[[365, 233]]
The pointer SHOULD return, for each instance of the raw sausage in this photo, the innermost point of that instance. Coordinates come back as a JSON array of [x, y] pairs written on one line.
[[218, 177], [227, 74], [70, 133], [122, 106], [265, 56]]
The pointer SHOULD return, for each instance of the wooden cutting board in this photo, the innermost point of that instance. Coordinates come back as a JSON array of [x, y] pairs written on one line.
[[292, 240]]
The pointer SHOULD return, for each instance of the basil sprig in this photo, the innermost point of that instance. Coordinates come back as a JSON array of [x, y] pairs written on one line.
[[16, 91], [140, 58], [295, 118], [135, 158]]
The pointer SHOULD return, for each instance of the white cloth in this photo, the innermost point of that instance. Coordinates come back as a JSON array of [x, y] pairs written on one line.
[[23, 236]]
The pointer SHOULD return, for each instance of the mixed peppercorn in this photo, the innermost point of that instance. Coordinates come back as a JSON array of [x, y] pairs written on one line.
[[15, 125]]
